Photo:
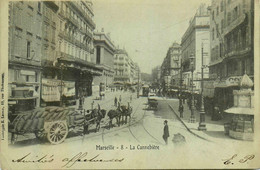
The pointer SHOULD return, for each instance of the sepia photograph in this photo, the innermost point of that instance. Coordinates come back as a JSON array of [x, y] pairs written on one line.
[[111, 84]]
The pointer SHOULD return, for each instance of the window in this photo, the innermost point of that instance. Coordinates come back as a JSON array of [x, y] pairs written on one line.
[[213, 33], [217, 11], [213, 15], [229, 18], [98, 55], [39, 6], [28, 49], [53, 35], [36, 77], [222, 26], [221, 6], [16, 73], [235, 13], [27, 78], [217, 31]]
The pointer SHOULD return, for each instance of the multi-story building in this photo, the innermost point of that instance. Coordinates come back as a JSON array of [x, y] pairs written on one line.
[[123, 66], [25, 52], [170, 66], [104, 55], [70, 68], [232, 48], [196, 42], [51, 51]]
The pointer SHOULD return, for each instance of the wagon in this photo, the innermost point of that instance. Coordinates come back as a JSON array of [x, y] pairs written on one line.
[[51, 123], [152, 103]]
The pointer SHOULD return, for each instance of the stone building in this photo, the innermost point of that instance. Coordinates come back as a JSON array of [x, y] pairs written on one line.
[[171, 66], [195, 39], [51, 51], [123, 66], [104, 55], [232, 48], [25, 52], [69, 71]]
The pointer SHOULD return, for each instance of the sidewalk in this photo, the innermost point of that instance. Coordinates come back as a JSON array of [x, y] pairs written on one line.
[[215, 129]]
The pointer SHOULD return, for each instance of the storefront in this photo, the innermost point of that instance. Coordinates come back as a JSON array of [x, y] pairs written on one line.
[[242, 124], [223, 94]]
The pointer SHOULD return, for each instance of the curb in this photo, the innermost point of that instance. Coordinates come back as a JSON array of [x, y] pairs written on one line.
[[185, 124]]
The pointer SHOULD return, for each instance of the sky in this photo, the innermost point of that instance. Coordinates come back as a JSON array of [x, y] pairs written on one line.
[[145, 28]]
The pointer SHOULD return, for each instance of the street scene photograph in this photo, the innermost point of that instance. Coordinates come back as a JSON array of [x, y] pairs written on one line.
[[131, 84]]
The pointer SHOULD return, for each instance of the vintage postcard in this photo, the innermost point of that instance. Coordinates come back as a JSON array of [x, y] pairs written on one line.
[[129, 84]]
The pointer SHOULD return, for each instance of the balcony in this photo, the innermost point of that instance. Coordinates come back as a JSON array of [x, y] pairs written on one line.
[[86, 32], [83, 13], [66, 36], [27, 61], [231, 26], [71, 19]]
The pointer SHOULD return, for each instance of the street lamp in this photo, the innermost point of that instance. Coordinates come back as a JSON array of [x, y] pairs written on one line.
[[61, 83], [138, 83], [192, 117], [180, 92], [202, 124]]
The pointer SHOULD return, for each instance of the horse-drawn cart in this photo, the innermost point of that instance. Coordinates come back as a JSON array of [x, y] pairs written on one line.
[[152, 103], [52, 123]]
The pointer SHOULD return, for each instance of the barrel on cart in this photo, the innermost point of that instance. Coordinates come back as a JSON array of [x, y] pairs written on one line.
[[52, 123]]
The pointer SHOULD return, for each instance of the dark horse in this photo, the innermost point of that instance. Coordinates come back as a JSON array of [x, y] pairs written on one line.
[[126, 112], [96, 115], [114, 113]]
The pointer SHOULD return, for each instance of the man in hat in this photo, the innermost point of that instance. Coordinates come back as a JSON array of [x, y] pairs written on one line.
[[165, 132], [115, 101]]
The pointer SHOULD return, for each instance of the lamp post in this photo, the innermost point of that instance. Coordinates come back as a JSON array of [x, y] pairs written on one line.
[[202, 124], [61, 83], [180, 92], [138, 83], [81, 94], [192, 117]]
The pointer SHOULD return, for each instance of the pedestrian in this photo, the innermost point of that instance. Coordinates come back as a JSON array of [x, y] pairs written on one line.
[[165, 132], [130, 98], [115, 101], [120, 99], [181, 111]]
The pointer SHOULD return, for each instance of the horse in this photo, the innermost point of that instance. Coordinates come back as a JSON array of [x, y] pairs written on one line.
[[126, 112], [101, 115], [97, 115], [114, 113]]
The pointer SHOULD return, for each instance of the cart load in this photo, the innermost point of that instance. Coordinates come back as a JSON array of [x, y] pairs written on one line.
[[52, 122]]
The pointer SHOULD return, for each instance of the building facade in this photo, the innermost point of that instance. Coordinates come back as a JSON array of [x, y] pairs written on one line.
[[123, 66], [196, 42], [171, 66], [72, 68], [51, 51], [232, 46], [25, 52], [104, 55]]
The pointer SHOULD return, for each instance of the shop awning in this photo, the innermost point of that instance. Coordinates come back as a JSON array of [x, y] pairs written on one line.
[[240, 110], [70, 92]]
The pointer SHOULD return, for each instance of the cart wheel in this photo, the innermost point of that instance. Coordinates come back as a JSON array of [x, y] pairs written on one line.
[[14, 138], [57, 132], [40, 135]]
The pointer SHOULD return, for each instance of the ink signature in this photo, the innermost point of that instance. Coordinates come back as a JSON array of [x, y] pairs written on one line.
[[231, 161], [81, 157], [28, 159]]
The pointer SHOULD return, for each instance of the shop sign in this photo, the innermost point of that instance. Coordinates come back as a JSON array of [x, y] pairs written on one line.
[[28, 72], [231, 81]]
